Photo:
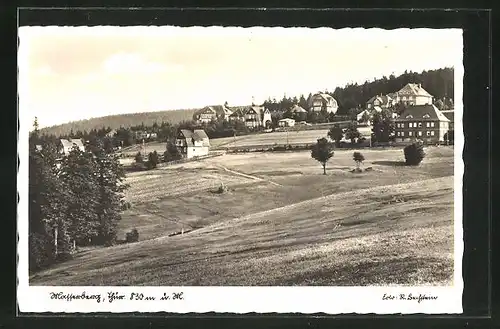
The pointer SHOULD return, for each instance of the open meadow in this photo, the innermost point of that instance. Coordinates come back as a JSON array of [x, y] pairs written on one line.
[[260, 139], [280, 222]]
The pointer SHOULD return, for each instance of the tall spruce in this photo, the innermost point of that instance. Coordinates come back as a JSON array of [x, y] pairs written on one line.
[[79, 174]]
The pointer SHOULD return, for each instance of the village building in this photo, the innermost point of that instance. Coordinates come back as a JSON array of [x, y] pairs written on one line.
[[252, 116], [381, 101], [111, 133], [192, 143], [412, 94], [298, 113], [322, 101], [211, 113], [66, 145], [423, 122], [286, 122]]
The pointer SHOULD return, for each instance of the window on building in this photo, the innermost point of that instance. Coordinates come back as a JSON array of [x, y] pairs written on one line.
[[420, 133], [428, 133], [410, 125], [427, 124], [432, 133], [409, 116], [410, 133], [420, 124], [426, 116], [432, 124]]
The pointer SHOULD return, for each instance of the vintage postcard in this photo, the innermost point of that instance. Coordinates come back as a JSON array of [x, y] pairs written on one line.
[[237, 170]]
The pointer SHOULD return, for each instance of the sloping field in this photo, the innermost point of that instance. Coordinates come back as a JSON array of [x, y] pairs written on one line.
[[281, 223], [392, 234]]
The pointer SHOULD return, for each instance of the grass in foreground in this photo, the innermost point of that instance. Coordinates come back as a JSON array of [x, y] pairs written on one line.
[[394, 234]]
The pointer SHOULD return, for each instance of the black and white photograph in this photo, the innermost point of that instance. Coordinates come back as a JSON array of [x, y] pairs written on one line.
[[163, 166]]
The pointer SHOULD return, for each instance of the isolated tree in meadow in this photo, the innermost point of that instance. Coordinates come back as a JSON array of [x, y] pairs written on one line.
[[322, 151], [352, 132], [138, 158], [414, 154], [336, 134], [358, 158]]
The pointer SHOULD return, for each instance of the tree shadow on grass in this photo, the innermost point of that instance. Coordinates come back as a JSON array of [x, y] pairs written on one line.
[[390, 163]]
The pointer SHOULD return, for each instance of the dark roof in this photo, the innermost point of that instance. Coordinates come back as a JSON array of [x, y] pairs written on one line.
[[419, 111], [196, 135], [449, 114], [298, 109], [199, 134], [219, 110]]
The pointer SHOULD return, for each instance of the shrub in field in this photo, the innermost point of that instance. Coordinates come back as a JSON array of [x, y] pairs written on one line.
[[132, 236], [414, 154], [358, 158], [152, 160]]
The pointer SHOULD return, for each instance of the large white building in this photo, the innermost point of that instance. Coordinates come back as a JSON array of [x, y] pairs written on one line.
[[412, 94]]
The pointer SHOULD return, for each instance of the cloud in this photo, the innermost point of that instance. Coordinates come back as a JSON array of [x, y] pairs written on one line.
[[129, 63]]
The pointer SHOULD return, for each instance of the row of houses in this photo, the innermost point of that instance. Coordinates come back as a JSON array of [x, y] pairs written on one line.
[[259, 116]]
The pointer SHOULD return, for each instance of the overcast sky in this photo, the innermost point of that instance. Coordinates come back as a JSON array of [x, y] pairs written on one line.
[[73, 73]]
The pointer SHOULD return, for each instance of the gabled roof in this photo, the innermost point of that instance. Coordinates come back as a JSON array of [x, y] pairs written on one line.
[[196, 135], [199, 134], [219, 110], [326, 97], [384, 99], [69, 143], [286, 120], [414, 89], [298, 109], [242, 110], [419, 111]]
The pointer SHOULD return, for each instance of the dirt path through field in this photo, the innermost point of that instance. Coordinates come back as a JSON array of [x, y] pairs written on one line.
[[247, 176]]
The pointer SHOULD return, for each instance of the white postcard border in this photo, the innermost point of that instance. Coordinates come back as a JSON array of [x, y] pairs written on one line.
[[307, 300]]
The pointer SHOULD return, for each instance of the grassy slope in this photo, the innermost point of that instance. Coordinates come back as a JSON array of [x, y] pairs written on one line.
[[357, 234]]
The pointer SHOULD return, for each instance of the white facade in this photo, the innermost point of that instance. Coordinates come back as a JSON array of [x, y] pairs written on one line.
[[194, 151], [286, 123]]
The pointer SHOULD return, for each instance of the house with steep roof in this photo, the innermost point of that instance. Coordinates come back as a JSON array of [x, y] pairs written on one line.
[[192, 143], [66, 145], [298, 113], [212, 112], [322, 101], [252, 116], [424, 122], [413, 94], [382, 101]]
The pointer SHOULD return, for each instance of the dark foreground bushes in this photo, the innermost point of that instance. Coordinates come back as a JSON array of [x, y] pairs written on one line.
[[414, 154]]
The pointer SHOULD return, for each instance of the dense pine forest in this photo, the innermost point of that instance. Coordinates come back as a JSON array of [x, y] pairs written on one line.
[[439, 83]]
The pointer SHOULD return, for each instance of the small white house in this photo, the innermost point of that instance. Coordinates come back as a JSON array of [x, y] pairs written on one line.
[[286, 122], [192, 143], [65, 145]]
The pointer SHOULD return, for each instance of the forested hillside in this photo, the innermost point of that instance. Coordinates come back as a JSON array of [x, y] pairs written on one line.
[[120, 120], [439, 83]]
